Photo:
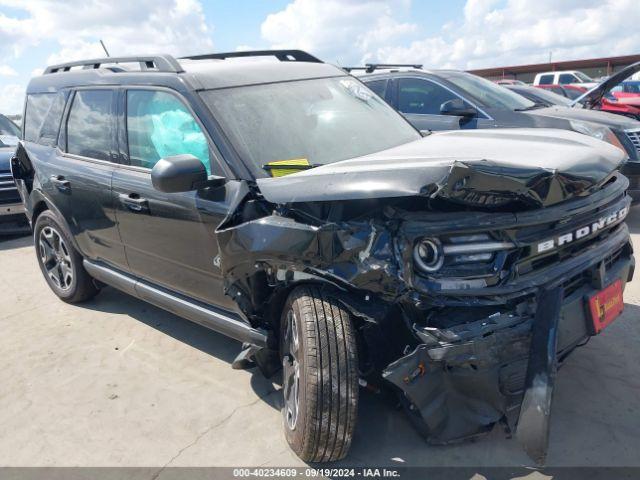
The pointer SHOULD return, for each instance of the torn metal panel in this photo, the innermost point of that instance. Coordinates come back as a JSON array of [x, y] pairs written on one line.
[[457, 390], [530, 166]]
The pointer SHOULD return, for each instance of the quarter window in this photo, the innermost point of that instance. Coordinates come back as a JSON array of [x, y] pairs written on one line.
[[159, 125], [37, 107], [422, 96], [51, 123], [89, 127]]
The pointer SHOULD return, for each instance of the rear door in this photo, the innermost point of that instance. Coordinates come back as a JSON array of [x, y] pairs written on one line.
[[169, 238], [76, 168]]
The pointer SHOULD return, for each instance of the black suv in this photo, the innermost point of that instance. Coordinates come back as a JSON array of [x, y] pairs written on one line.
[[277, 200]]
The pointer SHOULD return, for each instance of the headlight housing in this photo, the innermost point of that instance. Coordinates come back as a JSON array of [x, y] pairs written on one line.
[[597, 131], [428, 254], [459, 254]]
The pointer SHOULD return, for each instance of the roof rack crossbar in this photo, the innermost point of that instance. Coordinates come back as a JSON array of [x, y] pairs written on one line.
[[282, 55], [163, 63], [371, 67]]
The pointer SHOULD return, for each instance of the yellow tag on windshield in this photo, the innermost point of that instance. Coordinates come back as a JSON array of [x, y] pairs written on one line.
[[280, 168]]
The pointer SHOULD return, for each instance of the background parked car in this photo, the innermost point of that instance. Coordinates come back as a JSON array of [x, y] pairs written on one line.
[[509, 81], [451, 100], [627, 89], [627, 106], [12, 218], [565, 77], [569, 91], [541, 96]]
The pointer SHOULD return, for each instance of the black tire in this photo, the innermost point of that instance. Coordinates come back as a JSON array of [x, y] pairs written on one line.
[[60, 262], [327, 400]]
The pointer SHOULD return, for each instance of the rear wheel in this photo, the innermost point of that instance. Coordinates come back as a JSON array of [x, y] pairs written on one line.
[[60, 262], [320, 375]]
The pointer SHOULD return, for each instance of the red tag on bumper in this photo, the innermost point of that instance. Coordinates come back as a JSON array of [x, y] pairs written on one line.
[[605, 306]]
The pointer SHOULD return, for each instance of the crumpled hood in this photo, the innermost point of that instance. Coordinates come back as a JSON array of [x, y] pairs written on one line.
[[540, 167]]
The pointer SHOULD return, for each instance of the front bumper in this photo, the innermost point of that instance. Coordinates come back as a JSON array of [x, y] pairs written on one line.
[[459, 383], [13, 219]]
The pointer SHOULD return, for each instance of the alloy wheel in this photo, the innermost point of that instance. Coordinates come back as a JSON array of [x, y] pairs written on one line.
[[55, 258], [291, 370]]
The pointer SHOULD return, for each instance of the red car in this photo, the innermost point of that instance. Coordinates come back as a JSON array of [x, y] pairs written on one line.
[[628, 106]]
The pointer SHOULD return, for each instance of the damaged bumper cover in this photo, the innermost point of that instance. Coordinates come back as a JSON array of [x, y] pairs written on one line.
[[460, 382], [463, 345]]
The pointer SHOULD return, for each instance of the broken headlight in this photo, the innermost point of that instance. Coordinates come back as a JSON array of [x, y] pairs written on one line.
[[597, 131]]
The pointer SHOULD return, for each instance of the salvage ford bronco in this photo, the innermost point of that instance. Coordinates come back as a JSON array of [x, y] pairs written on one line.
[[277, 200]]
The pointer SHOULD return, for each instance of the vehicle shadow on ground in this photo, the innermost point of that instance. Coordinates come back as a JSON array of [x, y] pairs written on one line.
[[110, 300], [15, 241]]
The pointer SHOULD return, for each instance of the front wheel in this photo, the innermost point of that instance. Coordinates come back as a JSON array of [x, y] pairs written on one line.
[[60, 262], [320, 375]]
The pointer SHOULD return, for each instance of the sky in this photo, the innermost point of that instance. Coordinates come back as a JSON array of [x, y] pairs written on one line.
[[453, 34]]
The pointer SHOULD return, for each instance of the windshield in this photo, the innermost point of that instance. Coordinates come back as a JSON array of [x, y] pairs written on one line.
[[540, 95], [488, 93], [583, 77], [310, 121], [7, 127]]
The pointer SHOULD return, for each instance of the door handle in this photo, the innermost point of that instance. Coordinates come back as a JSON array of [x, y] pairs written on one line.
[[133, 202], [61, 183]]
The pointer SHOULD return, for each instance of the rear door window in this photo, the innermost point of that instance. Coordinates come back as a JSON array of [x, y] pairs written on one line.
[[38, 105], [90, 124], [546, 80], [159, 125], [422, 96]]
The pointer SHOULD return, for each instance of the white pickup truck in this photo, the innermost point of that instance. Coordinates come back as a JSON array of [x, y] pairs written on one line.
[[565, 77]]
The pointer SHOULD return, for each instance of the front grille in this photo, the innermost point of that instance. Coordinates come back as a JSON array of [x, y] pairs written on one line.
[[8, 191], [634, 136], [528, 261]]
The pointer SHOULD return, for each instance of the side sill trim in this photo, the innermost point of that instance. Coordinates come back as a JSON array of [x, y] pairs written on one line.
[[207, 317]]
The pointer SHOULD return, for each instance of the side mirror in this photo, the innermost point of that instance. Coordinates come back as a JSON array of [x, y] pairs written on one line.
[[457, 107], [182, 173]]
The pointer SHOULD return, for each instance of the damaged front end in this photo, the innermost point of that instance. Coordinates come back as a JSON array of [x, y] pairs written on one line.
[[467, 279]]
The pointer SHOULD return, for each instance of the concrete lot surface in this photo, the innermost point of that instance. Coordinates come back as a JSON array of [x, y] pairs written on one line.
[[117, 382]]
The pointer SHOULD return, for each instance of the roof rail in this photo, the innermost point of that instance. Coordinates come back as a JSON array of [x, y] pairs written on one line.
[[161, 63], [282, 55], [371, 67]]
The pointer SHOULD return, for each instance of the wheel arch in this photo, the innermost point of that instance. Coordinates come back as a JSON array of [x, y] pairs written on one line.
[[41, 204]]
